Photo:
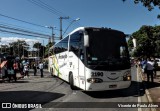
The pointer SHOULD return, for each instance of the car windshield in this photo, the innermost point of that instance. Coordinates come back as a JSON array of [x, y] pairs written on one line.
[[107, 50]]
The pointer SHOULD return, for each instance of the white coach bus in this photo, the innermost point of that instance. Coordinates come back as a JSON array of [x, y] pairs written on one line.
[[92, 59]]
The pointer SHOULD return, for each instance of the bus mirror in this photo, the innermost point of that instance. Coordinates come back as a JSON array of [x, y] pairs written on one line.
[[86, 40]]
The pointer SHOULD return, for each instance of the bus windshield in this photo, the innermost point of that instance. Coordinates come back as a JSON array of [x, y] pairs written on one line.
[[107, 50]]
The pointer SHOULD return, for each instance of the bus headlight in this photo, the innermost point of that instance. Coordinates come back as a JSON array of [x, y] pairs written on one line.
[[94, 80], [127, 76]]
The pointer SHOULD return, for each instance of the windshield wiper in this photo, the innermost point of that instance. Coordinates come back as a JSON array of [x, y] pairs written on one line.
[[106, 61]]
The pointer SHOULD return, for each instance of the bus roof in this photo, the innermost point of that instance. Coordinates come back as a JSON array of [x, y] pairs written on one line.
[[82, 29]]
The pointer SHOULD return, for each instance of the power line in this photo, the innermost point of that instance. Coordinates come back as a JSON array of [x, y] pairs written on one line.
[[3, 23], [18, 33], [21, 20], [45, 7], [22, 30], [49, 8]]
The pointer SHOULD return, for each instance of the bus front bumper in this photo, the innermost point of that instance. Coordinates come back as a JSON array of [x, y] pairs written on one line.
[[107, 85]]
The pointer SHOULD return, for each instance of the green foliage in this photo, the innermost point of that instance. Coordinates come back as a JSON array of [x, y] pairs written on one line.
[[41, 49], [150, 4], [148, 41], [18, 48], [48, 47]]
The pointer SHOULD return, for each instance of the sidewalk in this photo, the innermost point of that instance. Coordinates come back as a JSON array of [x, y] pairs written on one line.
[[152, 90], [19, 76]]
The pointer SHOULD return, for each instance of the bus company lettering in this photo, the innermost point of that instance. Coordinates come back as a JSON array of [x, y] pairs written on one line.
[[62, 56], [62, 65]]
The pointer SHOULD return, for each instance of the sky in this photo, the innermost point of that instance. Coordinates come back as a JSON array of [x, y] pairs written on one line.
[[124, 16]]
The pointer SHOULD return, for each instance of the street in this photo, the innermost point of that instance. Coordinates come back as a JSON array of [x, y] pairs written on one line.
[[55, 95]]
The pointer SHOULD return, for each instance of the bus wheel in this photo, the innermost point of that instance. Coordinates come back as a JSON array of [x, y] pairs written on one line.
[[71, 81], [52, 73]]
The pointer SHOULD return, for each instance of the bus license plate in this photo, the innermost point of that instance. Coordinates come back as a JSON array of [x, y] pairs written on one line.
[[113, 86]]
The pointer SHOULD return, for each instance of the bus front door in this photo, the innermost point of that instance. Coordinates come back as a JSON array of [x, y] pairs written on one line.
[[81, 70]]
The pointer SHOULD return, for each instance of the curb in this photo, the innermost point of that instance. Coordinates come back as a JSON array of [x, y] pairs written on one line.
[[146, 91]]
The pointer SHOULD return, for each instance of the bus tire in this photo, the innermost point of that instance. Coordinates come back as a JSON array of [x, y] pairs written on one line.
[[52, 74], [71, 82]]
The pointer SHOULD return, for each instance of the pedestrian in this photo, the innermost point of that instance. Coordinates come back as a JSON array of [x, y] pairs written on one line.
[[11, 74], [149, 69], [41, 68], [26, 70], [4, 72], [15, 68], [143, 65], [35, 68], [21, 69], [155, 67]]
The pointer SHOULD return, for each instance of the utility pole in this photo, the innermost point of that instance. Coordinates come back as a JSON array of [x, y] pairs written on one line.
[[18, 50], [43, 49], [51, 39], [61, 25]]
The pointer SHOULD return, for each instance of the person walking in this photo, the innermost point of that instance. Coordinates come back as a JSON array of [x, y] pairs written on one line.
[[149, 69], [41, 68]]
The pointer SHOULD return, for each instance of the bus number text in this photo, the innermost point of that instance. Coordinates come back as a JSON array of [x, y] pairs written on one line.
[[96, 74]]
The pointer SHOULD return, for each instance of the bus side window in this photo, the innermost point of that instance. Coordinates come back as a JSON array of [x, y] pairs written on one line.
[[65, 44], [58, 48]]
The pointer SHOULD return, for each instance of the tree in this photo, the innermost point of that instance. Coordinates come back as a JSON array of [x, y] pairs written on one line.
[[48, 46], [41, 49], [148, 41], [150, 4], [4, 48], [19, 48]]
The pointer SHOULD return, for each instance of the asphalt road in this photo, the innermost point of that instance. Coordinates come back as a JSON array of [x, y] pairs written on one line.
[[54, 94]]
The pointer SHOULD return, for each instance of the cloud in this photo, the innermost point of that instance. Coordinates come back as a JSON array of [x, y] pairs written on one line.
[[7, 40]]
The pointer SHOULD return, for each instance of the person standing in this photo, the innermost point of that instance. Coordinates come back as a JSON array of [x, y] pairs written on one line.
[[26, 70], [11, 74], [35, 68], [4, 72], [143, 65], [149, 69], [15, 68], [41, 68], [155, 67], [21, 69]]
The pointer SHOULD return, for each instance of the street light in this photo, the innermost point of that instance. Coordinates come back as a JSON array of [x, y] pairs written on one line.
[[70, 25]]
